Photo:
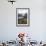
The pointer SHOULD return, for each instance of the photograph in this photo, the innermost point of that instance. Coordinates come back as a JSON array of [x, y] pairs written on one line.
[[22, 16]]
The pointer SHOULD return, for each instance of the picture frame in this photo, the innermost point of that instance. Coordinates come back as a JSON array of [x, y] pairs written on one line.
[[22, 17]]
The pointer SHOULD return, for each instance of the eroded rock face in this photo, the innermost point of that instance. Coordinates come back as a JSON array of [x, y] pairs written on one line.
[[44, 44]]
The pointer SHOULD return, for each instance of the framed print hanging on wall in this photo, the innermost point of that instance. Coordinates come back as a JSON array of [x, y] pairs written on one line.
[[22, 16]]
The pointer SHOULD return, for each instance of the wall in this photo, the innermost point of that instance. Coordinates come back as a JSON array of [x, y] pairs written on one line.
[[37, 29]]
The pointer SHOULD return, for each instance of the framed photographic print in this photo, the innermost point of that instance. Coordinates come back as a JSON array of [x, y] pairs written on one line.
[[22, 16]]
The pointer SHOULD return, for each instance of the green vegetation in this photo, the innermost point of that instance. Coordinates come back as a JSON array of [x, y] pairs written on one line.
[[22, 21]]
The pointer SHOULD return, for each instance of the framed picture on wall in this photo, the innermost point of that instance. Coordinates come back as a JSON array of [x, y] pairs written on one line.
[[22, 17]]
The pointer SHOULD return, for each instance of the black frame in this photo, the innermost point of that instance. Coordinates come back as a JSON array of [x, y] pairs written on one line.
[[23, 25]]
